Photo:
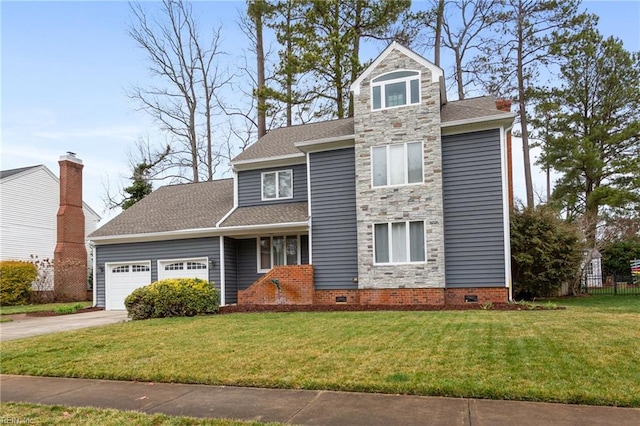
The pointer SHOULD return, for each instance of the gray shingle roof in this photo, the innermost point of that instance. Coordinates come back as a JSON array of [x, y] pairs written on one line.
[[483, 106], [281, 141], [267, 214], [173, 208], [7, 173]]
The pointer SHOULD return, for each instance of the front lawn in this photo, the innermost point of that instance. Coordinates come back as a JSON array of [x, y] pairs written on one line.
[[588, 353], [18, 413], [42, 307]]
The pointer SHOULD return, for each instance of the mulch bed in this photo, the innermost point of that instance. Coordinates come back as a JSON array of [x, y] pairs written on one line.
[[55, 314], [353, 308]]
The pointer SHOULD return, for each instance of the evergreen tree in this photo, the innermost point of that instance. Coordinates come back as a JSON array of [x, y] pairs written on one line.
[[140, 187], [594, 121]]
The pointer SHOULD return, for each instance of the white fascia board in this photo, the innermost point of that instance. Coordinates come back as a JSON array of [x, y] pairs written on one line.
[[268, 228], [198, 233], [229, 213], [279, 161], [436, 72], [476, 124], [326, 144], [156, 236]]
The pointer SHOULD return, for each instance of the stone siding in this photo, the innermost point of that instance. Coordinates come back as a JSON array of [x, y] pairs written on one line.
[[411, 123]]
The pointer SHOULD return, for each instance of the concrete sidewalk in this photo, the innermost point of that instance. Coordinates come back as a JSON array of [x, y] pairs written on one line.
[[303, 406], [26, 326]]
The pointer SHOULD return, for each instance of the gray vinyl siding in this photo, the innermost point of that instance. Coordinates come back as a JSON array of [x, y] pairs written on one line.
[[230, 270], [250, 186], [334, 235], [473, 210], [154, 251], [247, 263]]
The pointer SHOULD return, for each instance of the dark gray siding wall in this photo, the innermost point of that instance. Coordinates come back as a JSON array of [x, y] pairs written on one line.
[[230, 270], [334, 235], [473, 210], [154, 251], [247, 263], [250, 186]]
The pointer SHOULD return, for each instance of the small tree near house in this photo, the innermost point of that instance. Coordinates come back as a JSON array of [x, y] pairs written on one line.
[[545, 252]]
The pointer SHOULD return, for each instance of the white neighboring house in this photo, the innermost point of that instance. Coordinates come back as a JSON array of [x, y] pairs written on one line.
[[29, 203]]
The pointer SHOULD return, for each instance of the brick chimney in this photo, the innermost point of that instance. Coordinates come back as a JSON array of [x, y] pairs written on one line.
[[70, 255], [505, 105]]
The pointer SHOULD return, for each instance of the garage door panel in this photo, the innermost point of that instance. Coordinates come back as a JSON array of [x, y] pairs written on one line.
[[122, 279]]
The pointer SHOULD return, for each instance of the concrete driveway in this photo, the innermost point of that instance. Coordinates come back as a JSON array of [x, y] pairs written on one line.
[[25, 326]]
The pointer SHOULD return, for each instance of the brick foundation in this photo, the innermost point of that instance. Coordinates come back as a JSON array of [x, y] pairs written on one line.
[[456, 296], [295, 287], [385, 296]]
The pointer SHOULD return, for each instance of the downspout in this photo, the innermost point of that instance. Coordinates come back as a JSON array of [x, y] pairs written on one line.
[[507, 204]]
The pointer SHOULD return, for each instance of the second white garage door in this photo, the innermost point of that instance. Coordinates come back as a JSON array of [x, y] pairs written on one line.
[[184, 268]]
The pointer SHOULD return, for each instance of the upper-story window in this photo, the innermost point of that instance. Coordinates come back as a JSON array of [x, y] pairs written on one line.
[[395, 89], [398, 164], [277, 185]]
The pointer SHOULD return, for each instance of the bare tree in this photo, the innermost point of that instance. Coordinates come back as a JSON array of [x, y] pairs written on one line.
[[188, 74], [510, 64], [460, 27]]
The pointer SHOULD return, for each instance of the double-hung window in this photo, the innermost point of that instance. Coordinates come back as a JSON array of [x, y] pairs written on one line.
[[278, 250], [395, 89], [277, 185], [399, 242], [398, 164]]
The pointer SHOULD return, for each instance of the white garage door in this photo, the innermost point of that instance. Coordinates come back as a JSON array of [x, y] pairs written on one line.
[[122, 279], [184, 268]]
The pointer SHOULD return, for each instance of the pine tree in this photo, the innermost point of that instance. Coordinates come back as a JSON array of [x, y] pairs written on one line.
[[594, 141]]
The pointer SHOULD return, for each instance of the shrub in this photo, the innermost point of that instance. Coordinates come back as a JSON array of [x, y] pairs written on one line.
[[15, 282], [545, 252], [69, 309], [177, 297]]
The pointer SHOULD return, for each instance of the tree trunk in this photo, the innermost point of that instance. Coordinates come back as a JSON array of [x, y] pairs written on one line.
[[262, 102], [523, 113], [438, 35]]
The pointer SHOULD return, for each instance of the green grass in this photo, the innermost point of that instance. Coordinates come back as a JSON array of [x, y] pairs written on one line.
[[44, 307], [588, 353], [19, 413]]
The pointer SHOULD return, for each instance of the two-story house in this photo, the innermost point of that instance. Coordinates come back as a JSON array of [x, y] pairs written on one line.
[[405, 203]]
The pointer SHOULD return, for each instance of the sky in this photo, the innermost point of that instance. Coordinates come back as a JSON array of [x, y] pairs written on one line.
[[65, 68]]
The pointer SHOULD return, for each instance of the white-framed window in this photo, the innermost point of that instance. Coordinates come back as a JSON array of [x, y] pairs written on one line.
[[196, 265], [398, 164], [399, 242], [395, 89], [277, 185], [278, 250], [178, 266], [120, 269], [140, 268]]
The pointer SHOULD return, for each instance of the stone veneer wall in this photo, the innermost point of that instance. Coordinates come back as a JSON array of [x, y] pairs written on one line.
[[412, 123]]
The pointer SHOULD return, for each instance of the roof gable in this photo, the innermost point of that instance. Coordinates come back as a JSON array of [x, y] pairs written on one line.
[[437, 74], [281, 142]]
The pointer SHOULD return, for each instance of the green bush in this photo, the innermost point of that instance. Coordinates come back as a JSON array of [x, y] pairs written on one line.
[[177, 297], [15, 282], [545, 252]]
